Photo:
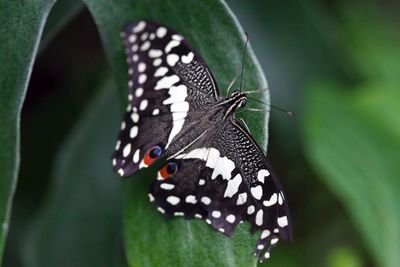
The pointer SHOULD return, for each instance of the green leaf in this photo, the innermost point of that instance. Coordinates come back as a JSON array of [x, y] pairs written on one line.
[[20, 32], [372, 40], [349, 141], [211, 28], [80, 223], [61, 14]]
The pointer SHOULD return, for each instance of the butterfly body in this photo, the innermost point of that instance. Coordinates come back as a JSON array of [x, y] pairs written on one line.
[[215, 170]]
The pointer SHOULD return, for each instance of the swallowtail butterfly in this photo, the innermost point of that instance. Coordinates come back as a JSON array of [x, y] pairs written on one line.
[[215, 171]]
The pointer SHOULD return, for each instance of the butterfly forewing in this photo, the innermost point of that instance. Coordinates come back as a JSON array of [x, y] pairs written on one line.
[[167, 82]]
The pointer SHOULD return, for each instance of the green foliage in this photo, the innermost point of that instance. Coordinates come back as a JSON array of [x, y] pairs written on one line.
[[352, 135], [82, 215], [340, 62], [20, 31]]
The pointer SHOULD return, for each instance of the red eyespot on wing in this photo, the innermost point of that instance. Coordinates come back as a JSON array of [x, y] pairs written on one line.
[[148, 160], [152, 155], [168, 170]]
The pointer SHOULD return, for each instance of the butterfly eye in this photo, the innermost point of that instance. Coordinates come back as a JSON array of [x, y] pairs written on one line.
[[243, 103], [168, 170], [152, 154]]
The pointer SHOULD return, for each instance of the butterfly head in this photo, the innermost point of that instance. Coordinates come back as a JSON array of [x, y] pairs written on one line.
[[239, 99]]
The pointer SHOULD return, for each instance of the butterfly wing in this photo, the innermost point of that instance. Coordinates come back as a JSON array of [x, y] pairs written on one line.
[[168, 81], [225, 178]]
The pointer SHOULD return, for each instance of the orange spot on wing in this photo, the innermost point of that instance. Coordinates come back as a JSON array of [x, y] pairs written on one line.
[[148, 160], [164, 173]]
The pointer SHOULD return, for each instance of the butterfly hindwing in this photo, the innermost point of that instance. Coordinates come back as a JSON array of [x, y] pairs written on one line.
[[168, 82], [224, 178]]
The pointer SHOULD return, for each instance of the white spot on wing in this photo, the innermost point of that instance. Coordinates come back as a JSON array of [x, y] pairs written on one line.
[[135, 117], [274, 241], [135, 48], [132, 38], [232, 186], [272, 200], [280, 198], [145, 46], [177, 98], [265, 234], [206, 200], [166, 186], [173, 200], [157, 62], [177, 94], [139, 27], [176, 128], [231, 218], [118, 145], [161, 71], [181, 107], [282, 221], [172, 59], [177, 37], [154, 53], [171, 44], [161, 32], [127, 150], [198, 153], [136, 156], [250, 209], [142, 78], [139, 92], [143, 104], [134, 131], [259, 217], [166, 82], [216, 214], [257, 192], [262, 174], [187, 58], [141, 67], [161, 210], [191, 199], [242, 198]]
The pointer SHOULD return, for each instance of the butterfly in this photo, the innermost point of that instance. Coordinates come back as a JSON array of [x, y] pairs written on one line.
[[214, 169]]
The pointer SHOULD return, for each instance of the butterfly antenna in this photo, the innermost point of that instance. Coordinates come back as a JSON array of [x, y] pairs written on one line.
[[243, 55], [230, 85], [245, 124], [257, 91], [290, 113]]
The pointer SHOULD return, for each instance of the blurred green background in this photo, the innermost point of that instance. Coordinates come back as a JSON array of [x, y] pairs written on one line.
[[335, 64]]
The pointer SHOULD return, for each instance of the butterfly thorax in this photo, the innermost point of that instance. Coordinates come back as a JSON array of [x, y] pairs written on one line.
[[235, 101], [211, 119]]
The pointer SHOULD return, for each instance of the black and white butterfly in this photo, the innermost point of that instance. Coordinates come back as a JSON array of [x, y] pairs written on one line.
[[215, 170]]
